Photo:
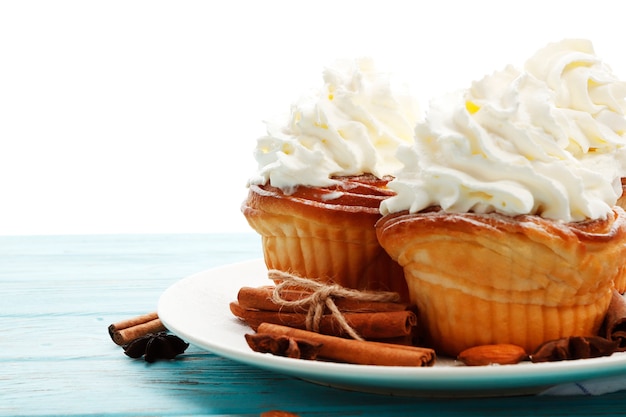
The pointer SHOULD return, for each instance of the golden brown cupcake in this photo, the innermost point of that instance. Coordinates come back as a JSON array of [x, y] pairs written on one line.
[[487, 278], [322, 175], [326, 233], [505, 216]]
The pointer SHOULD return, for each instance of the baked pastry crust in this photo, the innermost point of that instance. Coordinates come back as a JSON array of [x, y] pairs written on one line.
[[482, 279], [326, 233], [620, 282]]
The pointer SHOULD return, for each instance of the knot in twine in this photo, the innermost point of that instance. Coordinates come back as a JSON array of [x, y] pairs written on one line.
[[322, 295]]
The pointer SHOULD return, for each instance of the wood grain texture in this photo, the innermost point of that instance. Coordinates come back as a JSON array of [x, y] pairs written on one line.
[[59, 294]]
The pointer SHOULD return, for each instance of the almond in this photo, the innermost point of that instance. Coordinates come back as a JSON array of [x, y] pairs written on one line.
[[501, 354]]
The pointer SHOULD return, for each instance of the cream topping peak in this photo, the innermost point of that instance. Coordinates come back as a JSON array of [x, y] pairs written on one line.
[[545, 140], [353, 125]]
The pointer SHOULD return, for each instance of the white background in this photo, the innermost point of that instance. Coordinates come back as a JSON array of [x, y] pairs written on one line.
[[141, 116]]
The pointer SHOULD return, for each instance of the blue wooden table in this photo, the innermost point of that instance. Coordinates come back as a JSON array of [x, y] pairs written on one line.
[[60, 293]]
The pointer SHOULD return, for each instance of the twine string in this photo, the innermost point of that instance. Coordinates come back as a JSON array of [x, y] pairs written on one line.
[[321, 297]]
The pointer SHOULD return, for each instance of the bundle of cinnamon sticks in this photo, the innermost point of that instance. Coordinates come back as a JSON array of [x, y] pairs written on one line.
[[387, 330], [390, 322]]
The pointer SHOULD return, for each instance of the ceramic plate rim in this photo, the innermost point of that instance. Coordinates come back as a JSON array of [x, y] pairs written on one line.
[[187, 306]]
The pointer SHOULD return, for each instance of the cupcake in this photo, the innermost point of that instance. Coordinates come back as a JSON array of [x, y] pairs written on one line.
[[323, 174], [592, 100], [504, 232]]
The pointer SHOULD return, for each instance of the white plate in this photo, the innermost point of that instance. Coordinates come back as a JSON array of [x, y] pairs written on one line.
[[196, 309]]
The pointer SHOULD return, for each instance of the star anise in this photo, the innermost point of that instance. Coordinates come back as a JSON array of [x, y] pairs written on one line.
[[154, 346], [574, 347]]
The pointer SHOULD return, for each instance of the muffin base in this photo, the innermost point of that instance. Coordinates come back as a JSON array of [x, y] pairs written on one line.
[[483, 279], [323, 240]]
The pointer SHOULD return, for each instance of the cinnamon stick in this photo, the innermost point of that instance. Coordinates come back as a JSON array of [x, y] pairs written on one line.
[[126, 331], [134, 321], [261, 298], [377, 325], [357, 351], [615, 321], [283, 346]]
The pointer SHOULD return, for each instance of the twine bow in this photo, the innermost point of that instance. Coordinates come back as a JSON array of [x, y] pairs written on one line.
[[321, 297]]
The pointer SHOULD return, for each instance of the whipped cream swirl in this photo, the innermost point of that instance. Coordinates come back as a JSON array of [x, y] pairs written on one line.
[[589, 103], [521, 142], [352, 126]]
